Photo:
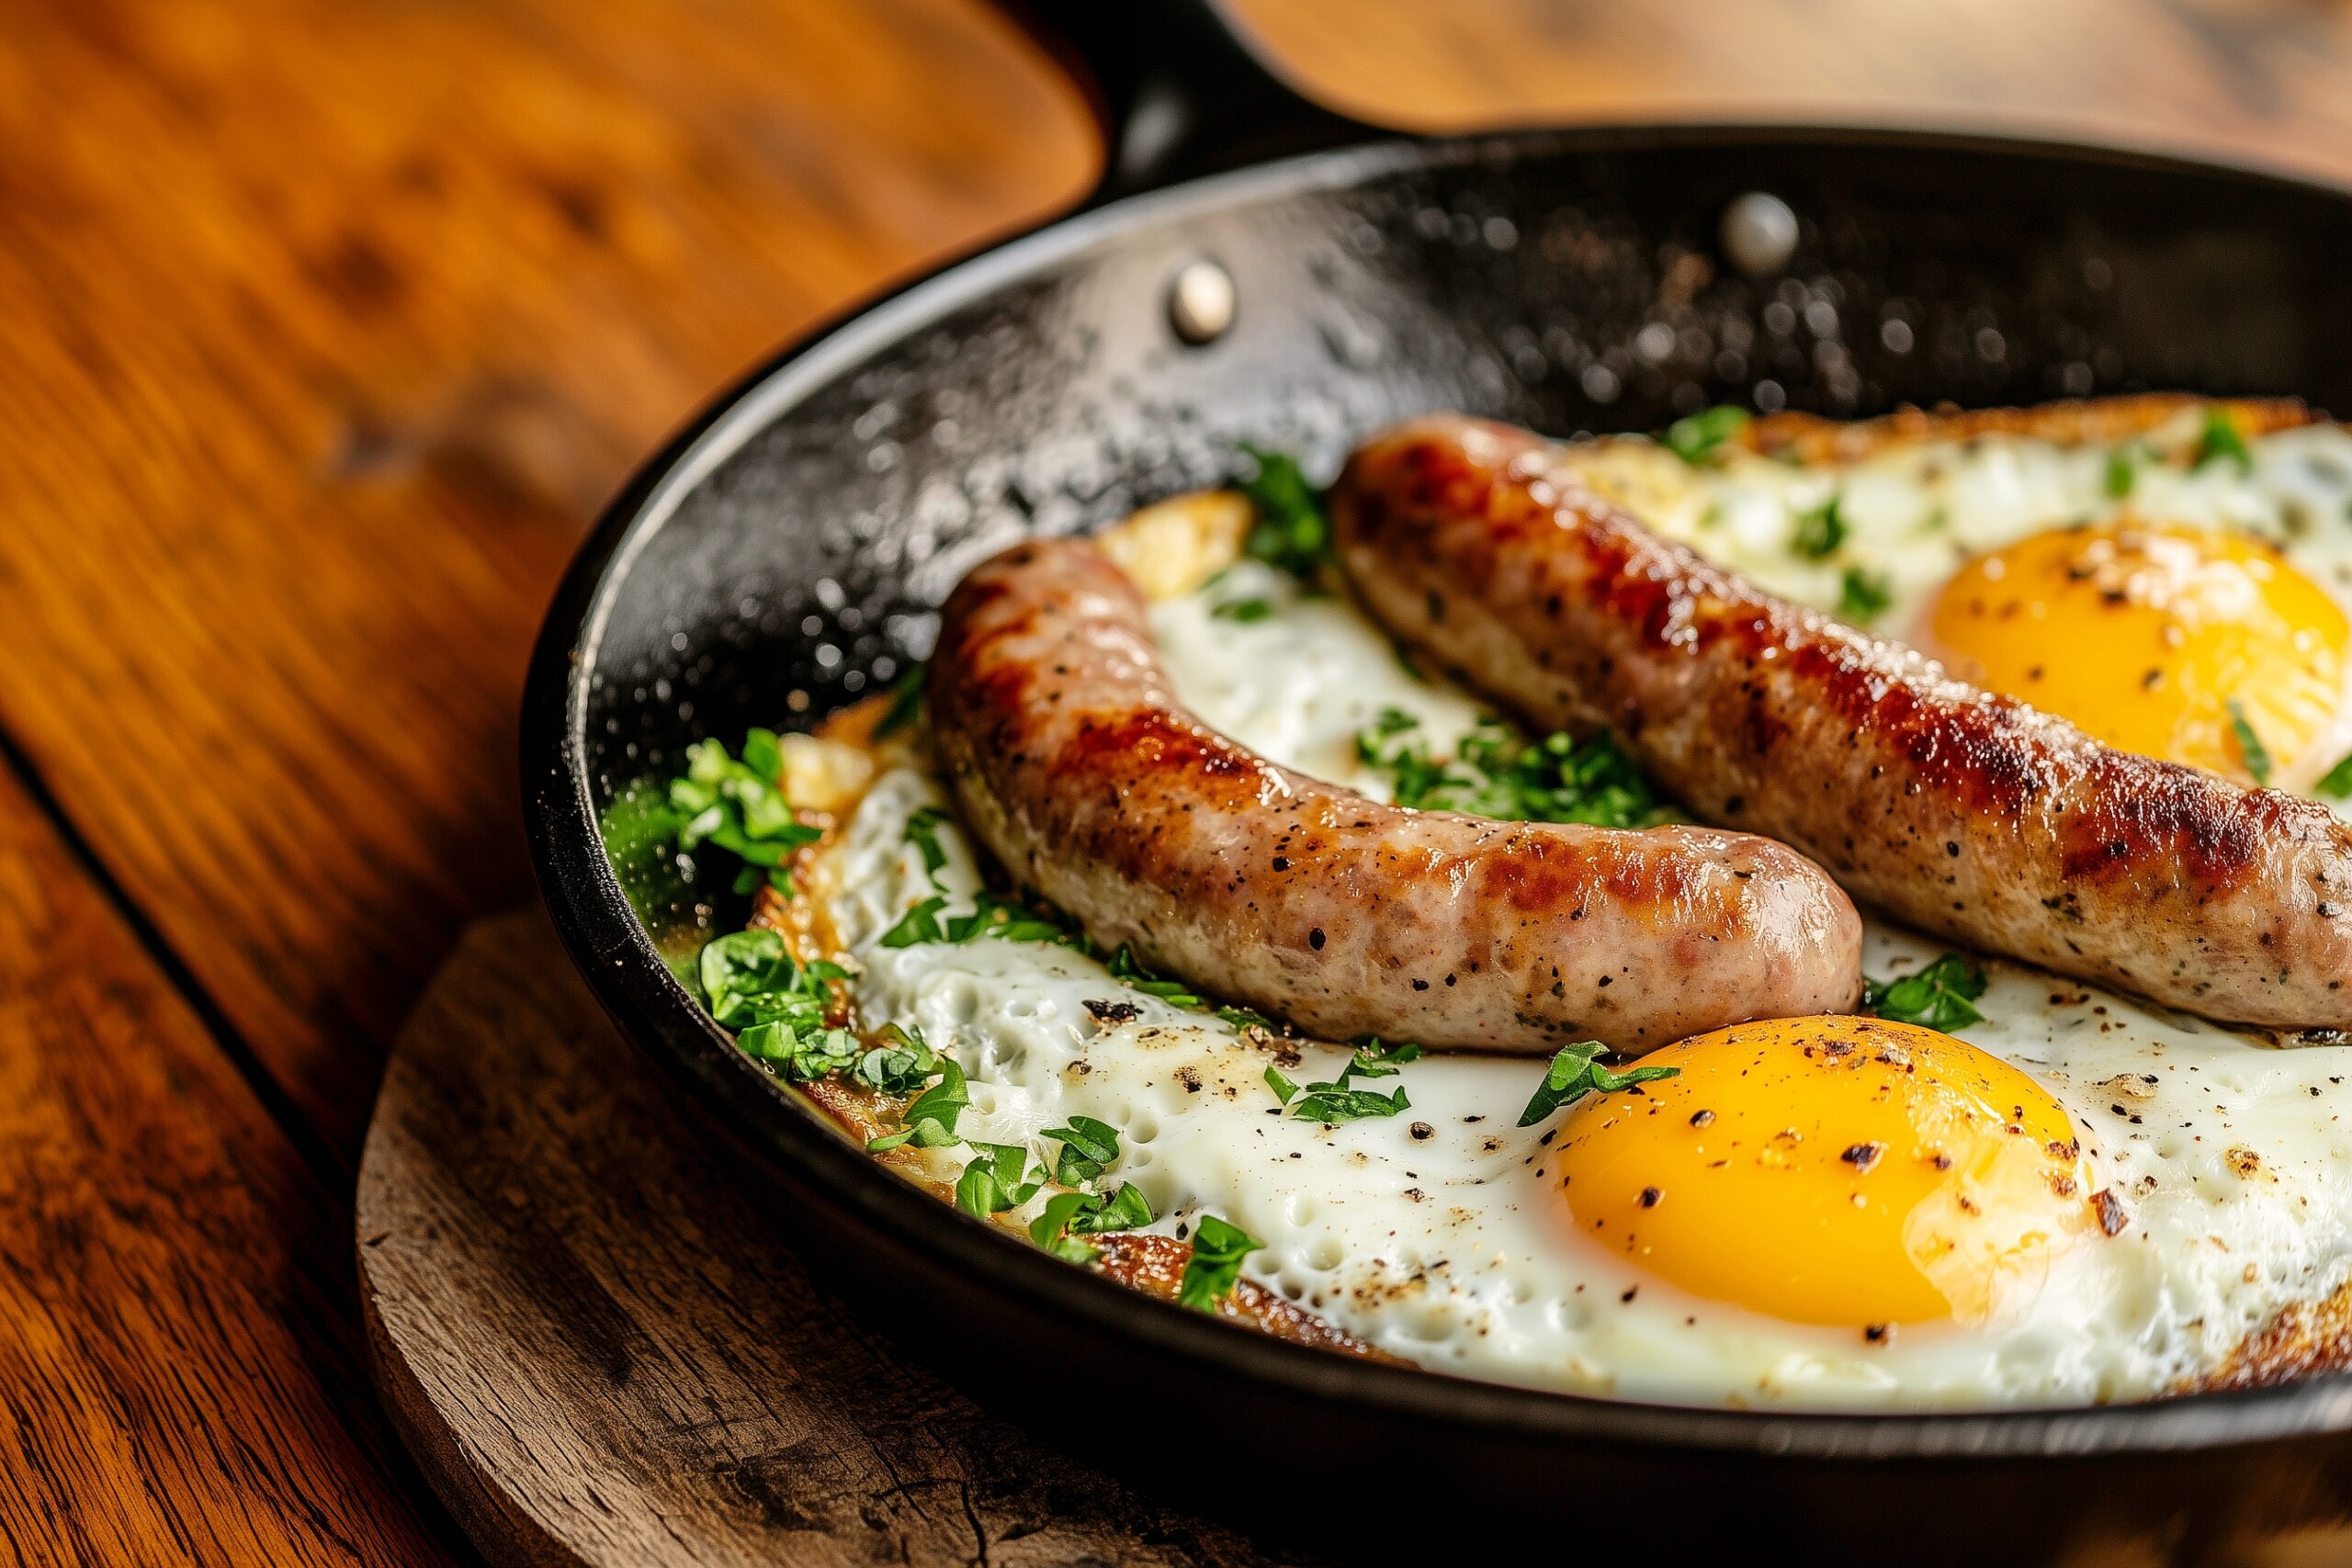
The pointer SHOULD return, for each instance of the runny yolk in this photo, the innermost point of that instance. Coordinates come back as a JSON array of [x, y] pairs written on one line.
[[2146, 636], [1833, 1170]]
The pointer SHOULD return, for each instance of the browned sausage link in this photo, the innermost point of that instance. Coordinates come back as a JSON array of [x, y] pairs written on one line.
[[1963, 812], [1078, 770]]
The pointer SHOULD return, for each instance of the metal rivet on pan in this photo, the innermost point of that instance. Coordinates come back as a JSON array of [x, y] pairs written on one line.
[[1200, 301], [1759, 233]]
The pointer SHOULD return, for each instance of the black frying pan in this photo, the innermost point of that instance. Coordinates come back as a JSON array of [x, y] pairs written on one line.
[[782, 556]]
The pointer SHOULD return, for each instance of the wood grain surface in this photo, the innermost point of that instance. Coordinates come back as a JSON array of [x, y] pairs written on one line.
[[596, 1342], [179, 1349], [325, 325]]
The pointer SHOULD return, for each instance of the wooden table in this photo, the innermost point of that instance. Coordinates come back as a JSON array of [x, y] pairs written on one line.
[[325, 325]]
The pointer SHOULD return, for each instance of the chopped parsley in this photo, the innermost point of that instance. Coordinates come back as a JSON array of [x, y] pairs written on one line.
[[1215, 1267], [2220, 440], [1695, 439], [740, 807], [777, 1007], [2250, 746], [1244, 611], [1863, 595], [900, 1066], [739, 967], [1495, 773], [993, 1182], [1034, 920], [923, 832], [2337, 783], [1088, 1147], [919, 924], [1069, 1216], [2123, 472], [1125, 969], [1006, 921], [1335, 1103], [906, 703], [1941, 996], [931, 1118], [999, 1177], [800, 1054], [751, 985], [1821, 530], [1576, 1071], [1292, 530]]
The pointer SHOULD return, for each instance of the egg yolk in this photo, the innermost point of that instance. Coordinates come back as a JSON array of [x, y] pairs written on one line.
[[2148, 636], [1833, 1170]]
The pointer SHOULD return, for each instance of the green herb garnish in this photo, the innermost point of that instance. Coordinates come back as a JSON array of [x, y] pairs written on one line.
[[906, 703], [1068, 1215], [1576, 1071], [799, 1054], [1820, 531], [1335, 1103], [1292, 530], [1008, 921], [995, 1181], [1695, 439], [1125, 968], [1088, 1147], [1495, 773], [2250, 746], [2123, 472], [1863, 595], [2336, 784], [2219, 439], [740, 807], [923, 832], [737, 968], [1243, 610], [1215, 1267], [777, 1007], [902, 1067], [919, 924], [1941, 996], [931, 1118]]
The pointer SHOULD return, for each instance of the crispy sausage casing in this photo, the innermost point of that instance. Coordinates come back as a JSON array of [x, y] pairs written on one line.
[[1960, 812], [1078, 771]]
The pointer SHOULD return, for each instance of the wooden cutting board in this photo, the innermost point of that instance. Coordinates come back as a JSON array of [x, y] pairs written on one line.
[[601, 1351]]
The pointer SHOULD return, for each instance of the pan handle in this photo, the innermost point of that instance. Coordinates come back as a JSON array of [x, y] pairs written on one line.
[[1178, 90]]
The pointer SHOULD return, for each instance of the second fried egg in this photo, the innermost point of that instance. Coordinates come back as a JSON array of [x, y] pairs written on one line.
[[2170, 594]]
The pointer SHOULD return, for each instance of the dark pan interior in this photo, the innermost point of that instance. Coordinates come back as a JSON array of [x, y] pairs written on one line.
[[782, 560]]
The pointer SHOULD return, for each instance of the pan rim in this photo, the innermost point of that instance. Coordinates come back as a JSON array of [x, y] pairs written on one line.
[[610, 947]]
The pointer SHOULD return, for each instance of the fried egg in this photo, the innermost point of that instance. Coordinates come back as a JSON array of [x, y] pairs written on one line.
[[2081, 1198], [2189, 607]]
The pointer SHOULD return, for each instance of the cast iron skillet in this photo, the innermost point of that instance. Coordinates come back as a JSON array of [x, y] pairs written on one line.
[[782, 558]]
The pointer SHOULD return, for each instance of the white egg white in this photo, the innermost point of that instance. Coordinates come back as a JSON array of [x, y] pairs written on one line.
[[1439, 1235]]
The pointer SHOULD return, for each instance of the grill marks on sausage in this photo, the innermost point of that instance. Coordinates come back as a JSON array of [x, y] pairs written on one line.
[[1989, 754], [1974, 815], [1076, 767]]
